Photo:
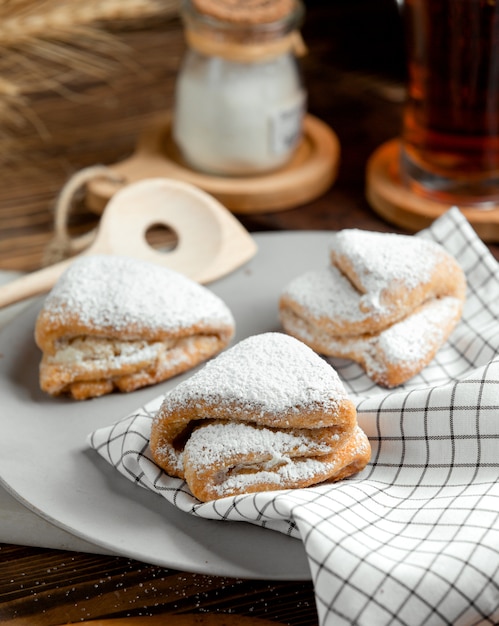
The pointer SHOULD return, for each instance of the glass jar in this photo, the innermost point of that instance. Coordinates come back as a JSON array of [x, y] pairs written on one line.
[[240, 99]]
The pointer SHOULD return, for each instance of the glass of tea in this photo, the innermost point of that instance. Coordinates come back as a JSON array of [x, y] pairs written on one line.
[[450, 136]]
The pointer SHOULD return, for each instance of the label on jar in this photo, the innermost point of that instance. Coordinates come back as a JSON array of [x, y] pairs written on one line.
[[286, 124]]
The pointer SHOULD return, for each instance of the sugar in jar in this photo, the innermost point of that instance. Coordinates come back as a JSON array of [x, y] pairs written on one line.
[[239, 97]]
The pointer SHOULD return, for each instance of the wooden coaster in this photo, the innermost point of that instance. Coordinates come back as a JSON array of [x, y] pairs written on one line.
[[309, 174], [392, 200]]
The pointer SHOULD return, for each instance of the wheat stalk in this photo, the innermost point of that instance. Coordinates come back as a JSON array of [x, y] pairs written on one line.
[[21, 20], [47, 44]]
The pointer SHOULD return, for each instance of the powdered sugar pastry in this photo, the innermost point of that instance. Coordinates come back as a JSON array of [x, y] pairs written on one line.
[[387, 301], [113, 322], [268, 413]]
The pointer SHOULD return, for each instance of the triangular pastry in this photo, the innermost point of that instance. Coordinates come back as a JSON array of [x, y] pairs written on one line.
[[266, 414], [387, 301], [113, 322]]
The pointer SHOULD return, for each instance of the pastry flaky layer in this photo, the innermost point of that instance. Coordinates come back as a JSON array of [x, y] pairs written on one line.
[[266, 414], [387, 301], [113, 322]]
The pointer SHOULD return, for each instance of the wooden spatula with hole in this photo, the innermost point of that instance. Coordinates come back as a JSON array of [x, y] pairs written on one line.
[[211, 241]]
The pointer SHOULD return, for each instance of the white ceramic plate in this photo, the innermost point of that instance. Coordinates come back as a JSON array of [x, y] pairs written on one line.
[[46, 464]]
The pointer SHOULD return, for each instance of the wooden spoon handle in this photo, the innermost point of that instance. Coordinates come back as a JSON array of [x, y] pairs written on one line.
[[32, 284]]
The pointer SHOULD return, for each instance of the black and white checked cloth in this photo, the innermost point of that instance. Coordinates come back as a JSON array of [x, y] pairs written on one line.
[[414, 538]]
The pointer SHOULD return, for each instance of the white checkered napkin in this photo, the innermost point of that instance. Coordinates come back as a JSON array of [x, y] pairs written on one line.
[[414, 539]]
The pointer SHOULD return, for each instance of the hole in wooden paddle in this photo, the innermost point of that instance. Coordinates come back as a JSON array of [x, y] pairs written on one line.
[[161, 237]]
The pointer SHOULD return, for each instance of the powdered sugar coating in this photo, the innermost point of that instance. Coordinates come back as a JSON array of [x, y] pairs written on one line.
[[379, 259], [408, 341], [244, 457], [375, 279], [92, 353], [327, 294], [407, 345], [213, 442], [270, 374], [107, 291]]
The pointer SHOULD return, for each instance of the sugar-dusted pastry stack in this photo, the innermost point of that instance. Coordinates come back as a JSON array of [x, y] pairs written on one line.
[[386, 301], [114, 322], [266, 414]]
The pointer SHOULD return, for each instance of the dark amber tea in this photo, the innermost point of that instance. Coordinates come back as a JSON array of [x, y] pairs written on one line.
[[451, 119]]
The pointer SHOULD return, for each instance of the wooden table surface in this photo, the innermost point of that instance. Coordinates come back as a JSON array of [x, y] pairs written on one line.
[[354, 75]]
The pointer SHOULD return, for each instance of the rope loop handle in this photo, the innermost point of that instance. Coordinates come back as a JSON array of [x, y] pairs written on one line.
[[62, 245]]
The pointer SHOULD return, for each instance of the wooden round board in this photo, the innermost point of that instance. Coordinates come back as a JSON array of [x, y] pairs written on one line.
[[310, 172], [395, 202], [198, 619]]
